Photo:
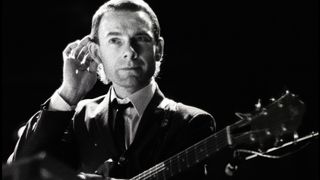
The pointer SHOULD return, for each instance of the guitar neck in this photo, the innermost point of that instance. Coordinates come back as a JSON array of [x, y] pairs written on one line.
[[187, 158]]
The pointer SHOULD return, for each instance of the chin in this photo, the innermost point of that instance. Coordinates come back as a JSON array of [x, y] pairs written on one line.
[[133, 82]]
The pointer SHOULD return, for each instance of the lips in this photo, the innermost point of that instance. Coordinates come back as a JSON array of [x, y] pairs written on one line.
[[130, 68], [135, 68]]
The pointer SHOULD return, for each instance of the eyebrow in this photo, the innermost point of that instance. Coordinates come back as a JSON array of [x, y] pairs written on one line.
[[114, 34], [143, 33]]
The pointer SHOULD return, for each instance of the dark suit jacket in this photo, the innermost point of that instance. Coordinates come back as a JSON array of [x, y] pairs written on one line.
[[83, 141]]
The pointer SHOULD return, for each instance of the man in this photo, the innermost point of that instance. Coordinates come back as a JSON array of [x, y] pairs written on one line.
[[133, 123]]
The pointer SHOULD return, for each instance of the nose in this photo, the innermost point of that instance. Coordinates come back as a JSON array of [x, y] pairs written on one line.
[[130, 52]]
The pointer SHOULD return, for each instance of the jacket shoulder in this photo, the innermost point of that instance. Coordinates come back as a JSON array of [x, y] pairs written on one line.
[[186, 111], [189, 114]]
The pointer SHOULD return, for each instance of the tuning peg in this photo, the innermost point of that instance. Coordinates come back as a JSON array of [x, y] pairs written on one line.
[[258, 105]]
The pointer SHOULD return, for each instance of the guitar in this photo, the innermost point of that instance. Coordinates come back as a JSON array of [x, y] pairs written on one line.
[[260, 129]]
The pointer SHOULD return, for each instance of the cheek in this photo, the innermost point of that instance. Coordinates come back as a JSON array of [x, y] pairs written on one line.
[[106, 59], [150, 64], [106, 54], [149, 54]]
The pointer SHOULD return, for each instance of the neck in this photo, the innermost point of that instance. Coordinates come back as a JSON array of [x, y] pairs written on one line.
[[123, 92]]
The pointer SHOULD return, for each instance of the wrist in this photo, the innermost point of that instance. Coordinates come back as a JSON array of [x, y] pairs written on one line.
[[57, 103], [70, 95]]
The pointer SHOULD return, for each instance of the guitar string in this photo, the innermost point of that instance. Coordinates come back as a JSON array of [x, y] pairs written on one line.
[[188, 153], [209, 146], [150, 173], [155, 170], [144, 173], [175, 160]]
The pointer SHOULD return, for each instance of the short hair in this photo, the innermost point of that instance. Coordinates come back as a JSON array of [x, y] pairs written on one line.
[[124, 5]]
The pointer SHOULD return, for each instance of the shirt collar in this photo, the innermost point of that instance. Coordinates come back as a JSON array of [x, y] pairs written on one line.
[[139, 99]]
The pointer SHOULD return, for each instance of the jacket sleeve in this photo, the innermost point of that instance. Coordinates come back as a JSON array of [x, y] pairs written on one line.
[[46, 131]]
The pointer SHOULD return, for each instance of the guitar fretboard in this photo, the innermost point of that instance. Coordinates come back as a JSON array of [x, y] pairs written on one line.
[[187, 158]]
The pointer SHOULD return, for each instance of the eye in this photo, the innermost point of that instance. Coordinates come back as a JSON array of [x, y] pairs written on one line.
[[143, 38], [115, 40]]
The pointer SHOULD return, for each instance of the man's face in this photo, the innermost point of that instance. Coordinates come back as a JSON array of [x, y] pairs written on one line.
[[127, 48]]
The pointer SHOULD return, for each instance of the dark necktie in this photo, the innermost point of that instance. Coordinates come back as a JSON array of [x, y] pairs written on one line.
[[119, 124]]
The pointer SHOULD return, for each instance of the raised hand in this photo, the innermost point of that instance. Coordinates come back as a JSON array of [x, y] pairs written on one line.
[[79, 71]]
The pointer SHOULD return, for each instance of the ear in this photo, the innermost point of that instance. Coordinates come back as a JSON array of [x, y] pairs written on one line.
[[94, 52], [159, 49]]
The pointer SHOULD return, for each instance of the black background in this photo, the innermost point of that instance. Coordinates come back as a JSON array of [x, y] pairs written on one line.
[[219, 56]]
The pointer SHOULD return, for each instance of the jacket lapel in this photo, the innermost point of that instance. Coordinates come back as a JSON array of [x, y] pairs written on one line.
[[101, 131], [150, 121]]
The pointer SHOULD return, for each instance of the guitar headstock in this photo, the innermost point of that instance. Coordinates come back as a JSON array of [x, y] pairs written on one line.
[[268, 126]]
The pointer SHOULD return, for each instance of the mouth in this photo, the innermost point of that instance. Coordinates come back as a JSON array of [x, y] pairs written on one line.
[[130, 68]]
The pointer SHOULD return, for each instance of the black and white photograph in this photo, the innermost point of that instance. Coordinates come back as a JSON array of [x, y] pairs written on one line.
[[151, 89]]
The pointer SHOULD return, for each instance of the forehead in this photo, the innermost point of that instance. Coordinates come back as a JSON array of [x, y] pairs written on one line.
[[125, 22]]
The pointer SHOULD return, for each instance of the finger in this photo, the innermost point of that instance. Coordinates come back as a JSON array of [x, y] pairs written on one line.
[[84, 41], [67, 51], [88, 64], [93, 66], [84, 51], [84, 64], [92, 52]]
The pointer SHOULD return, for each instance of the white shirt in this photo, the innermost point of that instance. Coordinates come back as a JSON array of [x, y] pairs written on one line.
[[132, 115]]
